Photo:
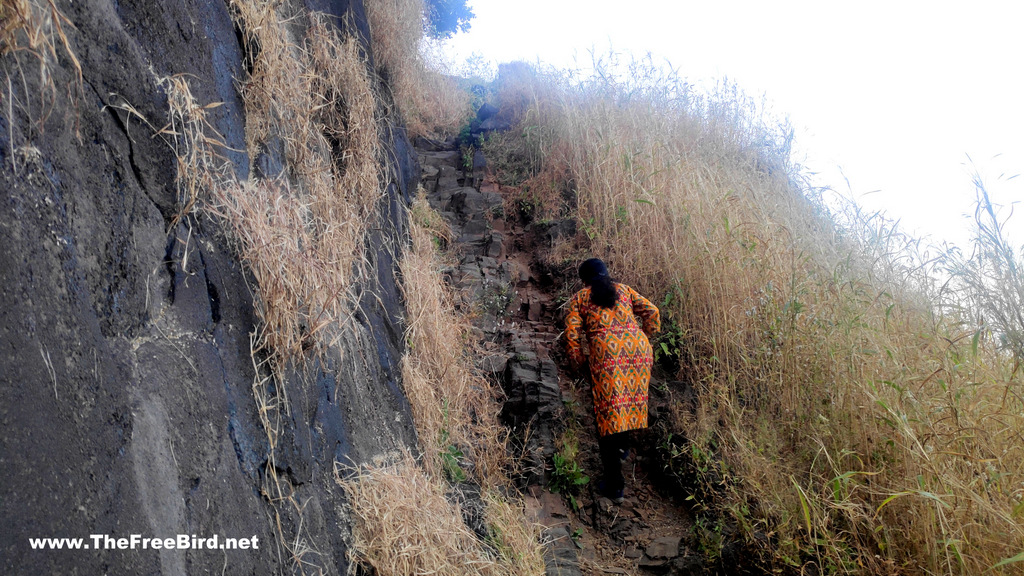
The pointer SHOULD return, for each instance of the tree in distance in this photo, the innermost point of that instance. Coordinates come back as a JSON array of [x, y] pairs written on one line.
[[446, 17]]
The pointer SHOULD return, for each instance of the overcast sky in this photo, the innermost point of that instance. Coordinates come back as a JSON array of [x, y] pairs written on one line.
[[897, 94]]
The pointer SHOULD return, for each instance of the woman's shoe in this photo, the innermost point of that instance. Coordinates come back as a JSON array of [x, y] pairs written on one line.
[[616, 496]]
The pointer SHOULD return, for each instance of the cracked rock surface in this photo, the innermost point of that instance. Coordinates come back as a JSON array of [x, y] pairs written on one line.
[[126, 404]]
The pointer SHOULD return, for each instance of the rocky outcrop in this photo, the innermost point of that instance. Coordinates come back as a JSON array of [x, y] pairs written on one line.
[[127, 404]]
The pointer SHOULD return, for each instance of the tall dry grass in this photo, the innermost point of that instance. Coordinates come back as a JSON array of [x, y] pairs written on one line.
[[427, 97], [454, 408], [15, 15], [36, 26], [301, 234], [844, 411], [407, 520], [988, 281]]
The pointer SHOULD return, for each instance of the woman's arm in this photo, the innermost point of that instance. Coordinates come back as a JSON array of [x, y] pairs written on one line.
[[574, 331], [648, 313]]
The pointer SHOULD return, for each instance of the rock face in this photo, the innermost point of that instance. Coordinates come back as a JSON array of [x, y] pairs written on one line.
[[127, 404]]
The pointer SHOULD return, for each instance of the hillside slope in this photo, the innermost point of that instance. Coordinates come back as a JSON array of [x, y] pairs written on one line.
[[836, 407]]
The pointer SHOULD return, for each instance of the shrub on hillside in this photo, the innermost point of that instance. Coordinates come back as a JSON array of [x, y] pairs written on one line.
[[429, 100]]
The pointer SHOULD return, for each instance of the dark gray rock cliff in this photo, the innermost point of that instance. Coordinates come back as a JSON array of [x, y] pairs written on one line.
[[126, 380]]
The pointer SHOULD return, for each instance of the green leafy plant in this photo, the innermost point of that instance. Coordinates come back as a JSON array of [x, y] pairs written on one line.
[[568, 478], [709, 537], [587, 225], [450, 461], [668, 343], [467, 157], [451, 455], [526, 208], [575, 536]]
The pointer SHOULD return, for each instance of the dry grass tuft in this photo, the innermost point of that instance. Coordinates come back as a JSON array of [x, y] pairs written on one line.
[[301, 234], [300, 292], [516, 543], [872, 427], [35, 28], [42, 25], [428, 99], [15, 15], [196, 146], [406, 525]]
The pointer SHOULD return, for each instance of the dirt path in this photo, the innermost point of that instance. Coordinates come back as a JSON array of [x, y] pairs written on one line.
[[515, 297]]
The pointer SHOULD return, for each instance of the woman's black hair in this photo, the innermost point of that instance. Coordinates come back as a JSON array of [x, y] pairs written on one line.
[[594, 273]]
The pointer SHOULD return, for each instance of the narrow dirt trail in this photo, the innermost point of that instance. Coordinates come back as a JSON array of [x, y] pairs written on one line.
[[514, 298]]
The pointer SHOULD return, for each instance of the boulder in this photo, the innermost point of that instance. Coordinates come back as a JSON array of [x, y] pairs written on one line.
[[666, 547], [486, 111]]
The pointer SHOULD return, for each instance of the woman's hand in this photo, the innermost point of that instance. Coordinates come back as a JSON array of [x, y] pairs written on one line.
[[577, 359], [578, 363]]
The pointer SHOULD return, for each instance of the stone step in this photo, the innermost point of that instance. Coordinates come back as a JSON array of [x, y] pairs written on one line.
[[440, 158], [560, 557]]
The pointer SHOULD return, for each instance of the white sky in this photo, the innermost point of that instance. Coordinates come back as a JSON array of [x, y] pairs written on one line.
[[895, 93]]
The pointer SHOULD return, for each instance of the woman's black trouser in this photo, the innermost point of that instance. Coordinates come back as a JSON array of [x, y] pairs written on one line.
[[613, 447]]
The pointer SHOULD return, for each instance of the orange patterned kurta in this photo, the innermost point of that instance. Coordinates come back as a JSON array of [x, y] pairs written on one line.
[[620, 355]]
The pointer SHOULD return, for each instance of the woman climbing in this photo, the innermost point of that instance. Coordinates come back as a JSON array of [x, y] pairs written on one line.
[[617, 322]]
